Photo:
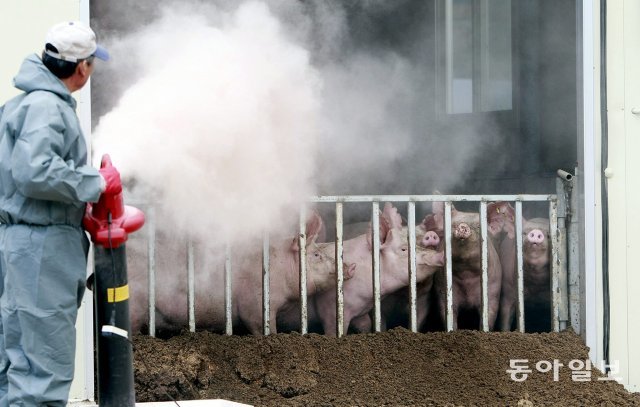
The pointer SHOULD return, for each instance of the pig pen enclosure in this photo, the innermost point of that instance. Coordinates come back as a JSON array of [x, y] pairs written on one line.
[[412, 364]]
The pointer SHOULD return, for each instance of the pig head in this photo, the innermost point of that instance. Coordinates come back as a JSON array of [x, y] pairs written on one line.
[[284, 276]]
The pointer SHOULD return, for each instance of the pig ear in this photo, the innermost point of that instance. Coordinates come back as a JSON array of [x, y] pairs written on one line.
[[429, 222], [388, 219], [438, 214], [437, 208], [384, 228], [349, 270], [391, 216], [315, 228], [509, 220], [495, 218], [500, 216], [295, 247]]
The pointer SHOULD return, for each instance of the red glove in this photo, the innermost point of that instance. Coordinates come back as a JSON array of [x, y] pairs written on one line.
[[111, 177]]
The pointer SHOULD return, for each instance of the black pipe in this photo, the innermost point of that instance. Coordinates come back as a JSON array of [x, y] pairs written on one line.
[[114, 348], [606, 317]]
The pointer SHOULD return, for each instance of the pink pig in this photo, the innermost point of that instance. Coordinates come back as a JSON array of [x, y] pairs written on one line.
[[467, 265], [358, 291], [536, 252], [171, 284]]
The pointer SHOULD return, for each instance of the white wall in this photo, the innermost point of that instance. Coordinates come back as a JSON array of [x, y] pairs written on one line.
[[23, 27], [623, 95]]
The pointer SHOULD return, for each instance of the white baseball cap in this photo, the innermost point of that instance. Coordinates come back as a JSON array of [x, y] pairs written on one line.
[[74, 41]]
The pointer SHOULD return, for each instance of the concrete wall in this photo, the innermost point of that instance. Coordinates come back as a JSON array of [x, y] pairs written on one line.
[[23, 27]]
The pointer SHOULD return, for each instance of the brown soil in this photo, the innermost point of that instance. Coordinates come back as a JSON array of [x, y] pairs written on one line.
[[394, 368]]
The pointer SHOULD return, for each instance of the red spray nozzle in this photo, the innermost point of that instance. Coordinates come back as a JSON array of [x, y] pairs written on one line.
[[109, 221], [106, 161]]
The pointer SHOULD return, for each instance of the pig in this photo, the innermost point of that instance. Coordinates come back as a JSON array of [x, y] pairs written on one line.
[[535, 262], [467, 265], [358, 291], [537, 276], [501, 219], [246, 284], [395, 306]]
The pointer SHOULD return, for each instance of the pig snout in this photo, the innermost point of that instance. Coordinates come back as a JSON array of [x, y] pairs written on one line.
[[462, 231], [431, 239], [536, 236]]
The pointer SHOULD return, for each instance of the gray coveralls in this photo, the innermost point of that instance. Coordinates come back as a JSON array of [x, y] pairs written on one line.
[[44, 184]]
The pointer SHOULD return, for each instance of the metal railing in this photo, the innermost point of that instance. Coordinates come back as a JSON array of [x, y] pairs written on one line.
[[557, 261]]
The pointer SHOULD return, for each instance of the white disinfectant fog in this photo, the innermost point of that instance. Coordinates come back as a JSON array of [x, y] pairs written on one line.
[[220, 128]]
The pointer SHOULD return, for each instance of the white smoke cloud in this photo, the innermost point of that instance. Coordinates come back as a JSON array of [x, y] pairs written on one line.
[[221, 127]]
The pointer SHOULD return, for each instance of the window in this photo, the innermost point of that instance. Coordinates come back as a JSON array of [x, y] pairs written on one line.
[[478, 55]]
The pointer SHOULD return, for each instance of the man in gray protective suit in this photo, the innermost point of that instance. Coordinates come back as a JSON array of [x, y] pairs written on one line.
[[44, 184]]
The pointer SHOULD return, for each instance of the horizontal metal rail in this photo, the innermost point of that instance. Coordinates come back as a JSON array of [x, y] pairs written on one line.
[[340, 200], [432, 198]]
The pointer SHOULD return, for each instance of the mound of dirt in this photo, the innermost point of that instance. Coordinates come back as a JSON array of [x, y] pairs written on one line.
[[393, 368]]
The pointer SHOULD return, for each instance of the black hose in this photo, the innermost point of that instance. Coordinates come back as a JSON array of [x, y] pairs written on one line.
[[606, 320]]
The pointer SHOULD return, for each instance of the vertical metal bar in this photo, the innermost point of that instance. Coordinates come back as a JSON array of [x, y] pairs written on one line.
[[266, 329], [520, 275], [485, 267], [562, 253], [192, 286], [573, 260], [411, 232], [339, 271], [228, 279], [302, 261], [375, 222], [555, 266], [151, 252], [449, 268]]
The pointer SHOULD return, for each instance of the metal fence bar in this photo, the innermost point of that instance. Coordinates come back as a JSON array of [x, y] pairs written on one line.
[[484, 322], [228, 286], [430, 198], [554, 265], [411, 232], [563, 284], [266, 330], [573, 258], [302, 262], [339, 271], [375, 255], [192, 286], [151, 268], [520, 267], [449, 266]]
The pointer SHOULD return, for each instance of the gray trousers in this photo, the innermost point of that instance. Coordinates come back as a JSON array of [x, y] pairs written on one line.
[[43, 281]]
